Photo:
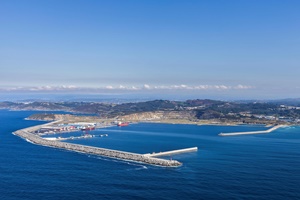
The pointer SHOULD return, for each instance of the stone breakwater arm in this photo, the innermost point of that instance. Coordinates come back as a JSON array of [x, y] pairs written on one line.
[[95, 150], [252, 132], [171, 152]]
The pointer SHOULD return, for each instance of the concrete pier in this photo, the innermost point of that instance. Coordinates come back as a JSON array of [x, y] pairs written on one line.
[[252, 132], [166, 153], [26, 134]]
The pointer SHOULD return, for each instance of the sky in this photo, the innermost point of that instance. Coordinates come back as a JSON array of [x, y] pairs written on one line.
[[213, 49]]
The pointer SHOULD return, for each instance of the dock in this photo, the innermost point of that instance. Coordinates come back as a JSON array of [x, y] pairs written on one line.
[[252, 132], [166, 153], [28, 135], [86, 136]]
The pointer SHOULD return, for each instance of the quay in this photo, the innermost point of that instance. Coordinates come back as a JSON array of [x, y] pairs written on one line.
[[171, 152], [252, 132], [134, 157], [74, 137]]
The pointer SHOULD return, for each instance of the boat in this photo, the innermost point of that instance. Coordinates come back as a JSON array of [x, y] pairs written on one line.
[[123, 124], [89, 128]]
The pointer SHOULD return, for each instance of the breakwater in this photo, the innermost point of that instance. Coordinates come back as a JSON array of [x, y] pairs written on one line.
[[172, 152], [26, 134], [252, 132]]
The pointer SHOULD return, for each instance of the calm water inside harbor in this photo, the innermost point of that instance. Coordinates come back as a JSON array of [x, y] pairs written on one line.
[[265, 166]]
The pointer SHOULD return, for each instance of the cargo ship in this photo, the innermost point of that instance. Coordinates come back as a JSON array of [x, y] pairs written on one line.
[[123, 124]]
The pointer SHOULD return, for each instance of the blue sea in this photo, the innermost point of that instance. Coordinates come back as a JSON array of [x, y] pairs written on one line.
[[265, 166]]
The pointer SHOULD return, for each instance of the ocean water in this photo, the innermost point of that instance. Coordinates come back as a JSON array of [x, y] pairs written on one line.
[[265, 166]]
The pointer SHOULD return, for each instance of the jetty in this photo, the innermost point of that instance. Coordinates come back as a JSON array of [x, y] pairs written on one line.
[[85, 136], [166, 153], [252, 132], [28, 135]]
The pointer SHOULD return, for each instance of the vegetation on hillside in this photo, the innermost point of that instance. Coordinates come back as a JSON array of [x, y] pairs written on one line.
[[200, 109]]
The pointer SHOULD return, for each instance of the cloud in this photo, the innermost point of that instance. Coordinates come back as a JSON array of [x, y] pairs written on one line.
[[49, 88], [109, 87], [41, 88], [197, 87], [243, 87], [145, 87]]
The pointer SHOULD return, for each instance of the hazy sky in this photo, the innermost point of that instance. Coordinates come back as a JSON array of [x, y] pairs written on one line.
[[237, 48]]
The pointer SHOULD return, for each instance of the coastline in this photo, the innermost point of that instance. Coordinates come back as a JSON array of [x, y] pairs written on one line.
[[207, 123], [155, 117], [107, 122], [28, 135]]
